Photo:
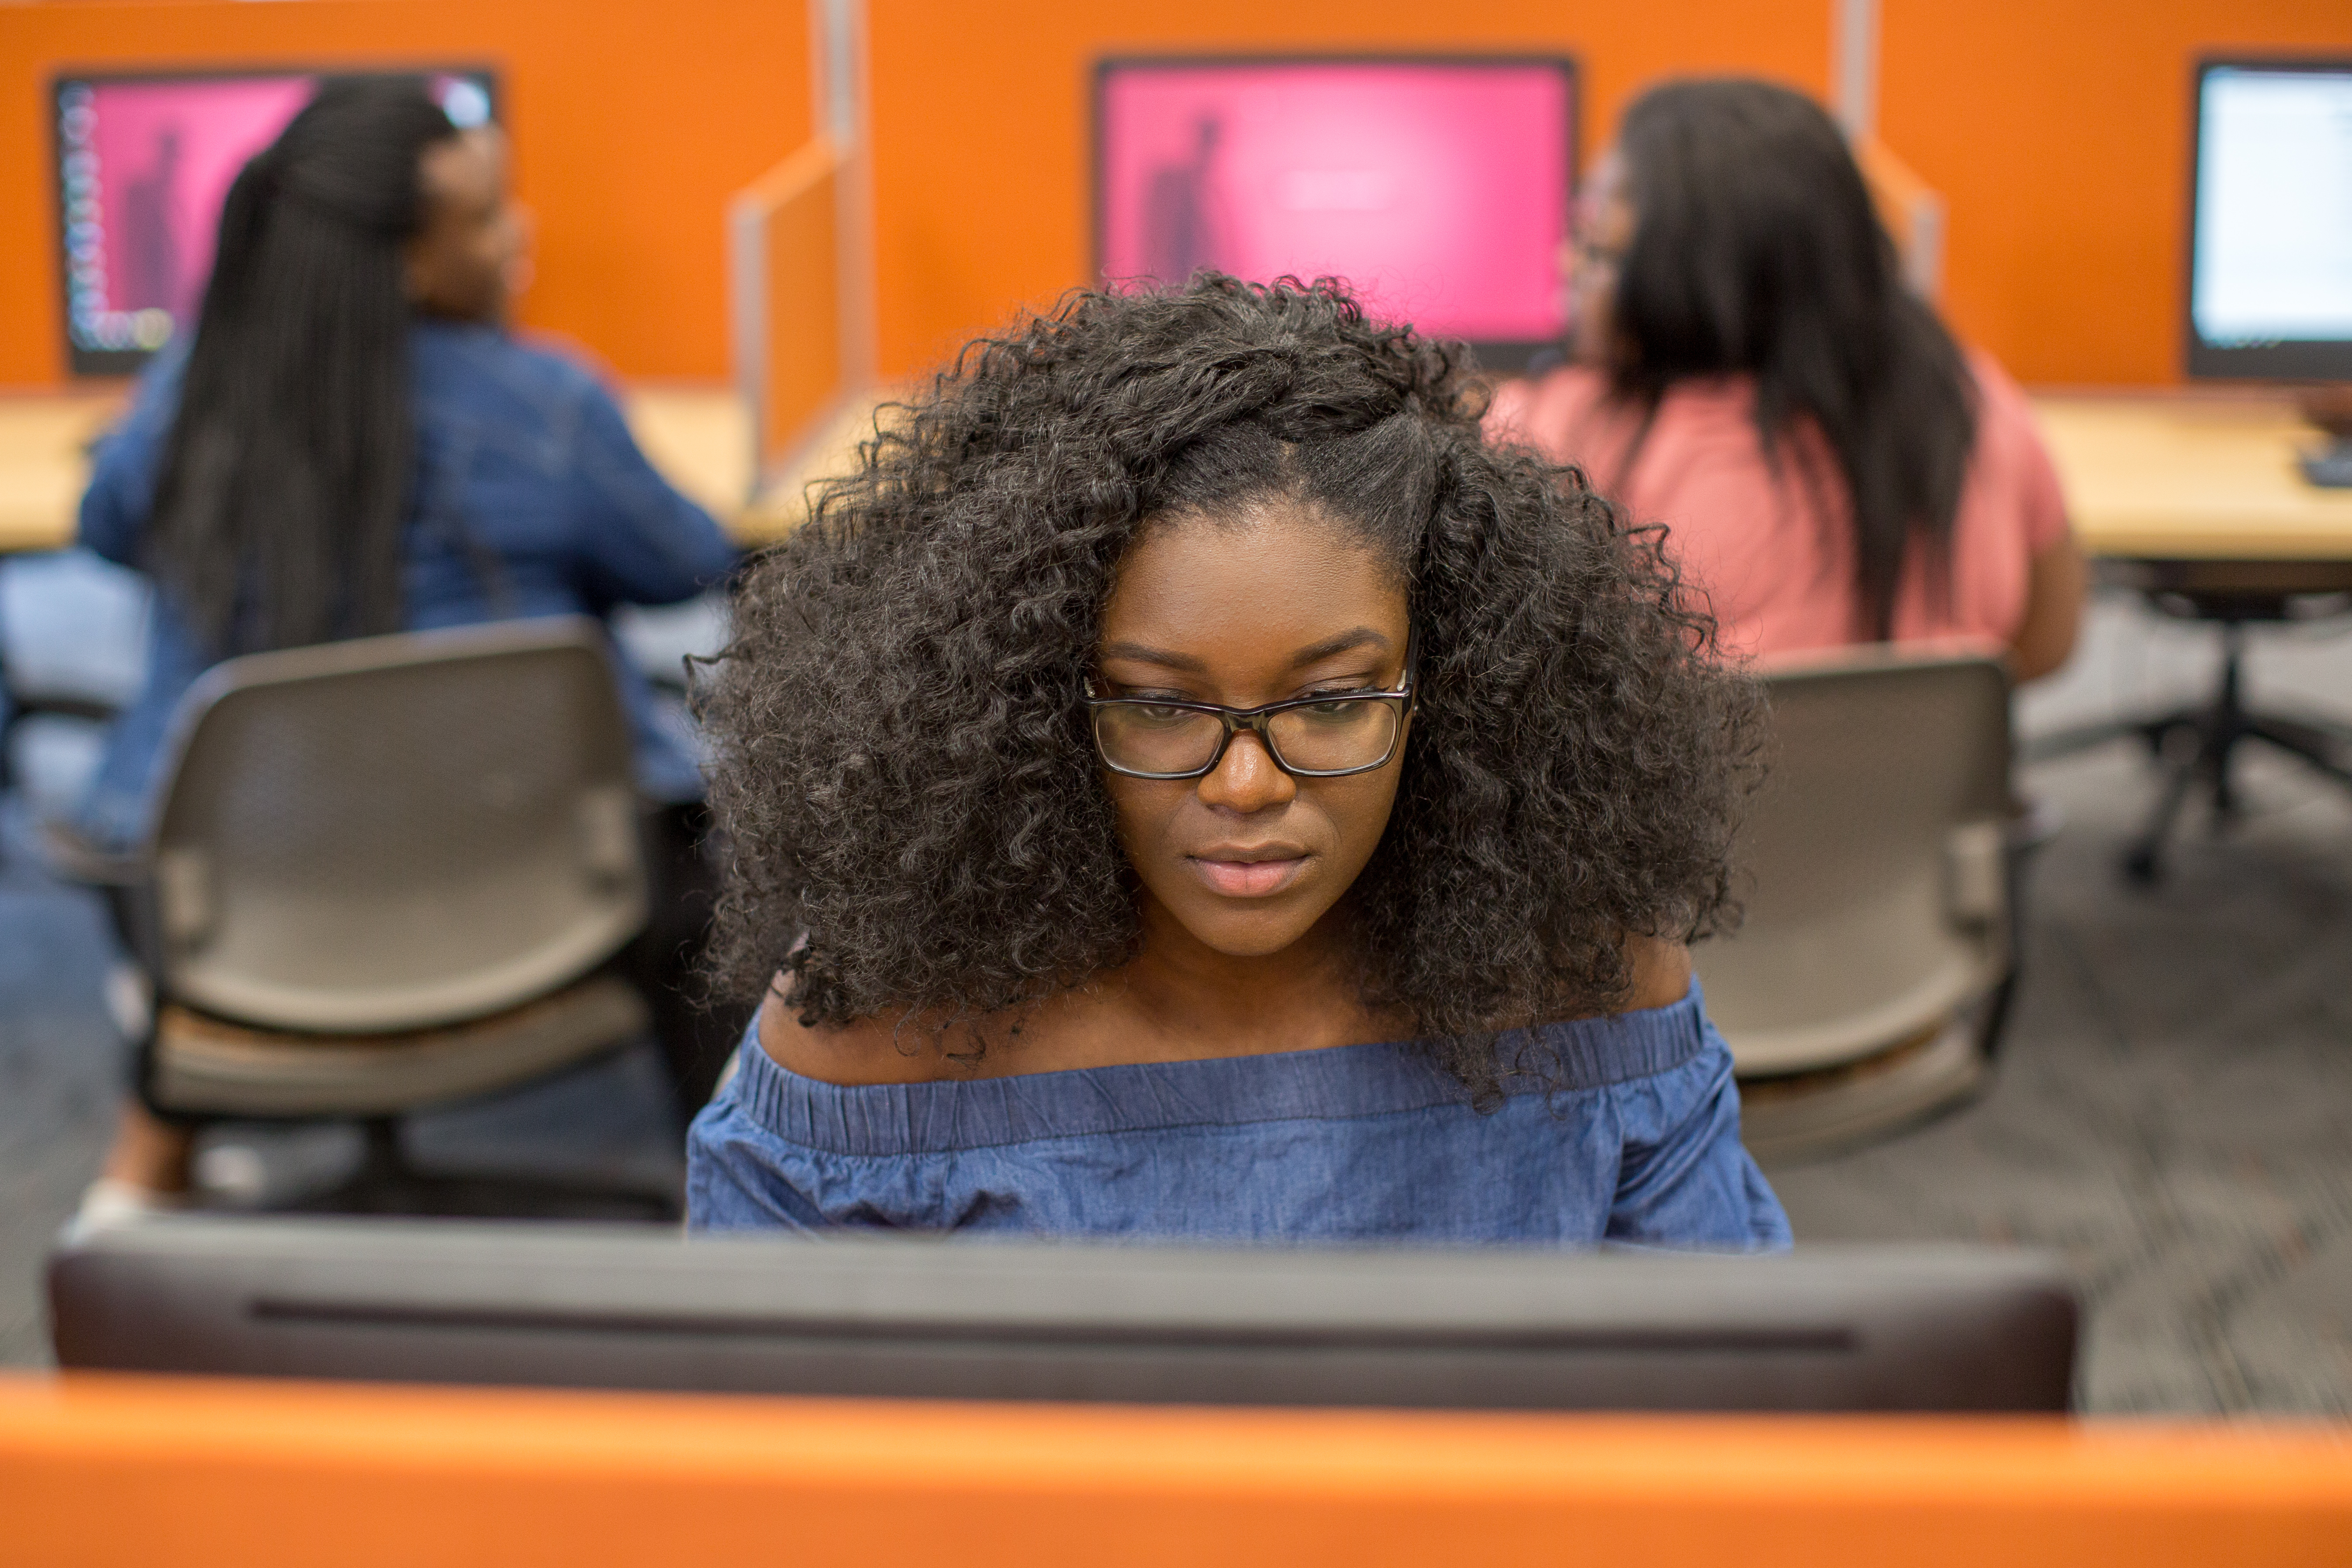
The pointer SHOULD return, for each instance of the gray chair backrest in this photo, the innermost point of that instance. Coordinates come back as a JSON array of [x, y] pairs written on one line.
[[1873, 866], [396, 832]]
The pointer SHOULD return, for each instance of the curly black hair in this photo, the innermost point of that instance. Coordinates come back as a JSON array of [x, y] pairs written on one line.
[[902, 768]]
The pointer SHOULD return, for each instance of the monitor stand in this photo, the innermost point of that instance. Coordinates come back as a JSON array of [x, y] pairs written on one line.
[[2330, 409]]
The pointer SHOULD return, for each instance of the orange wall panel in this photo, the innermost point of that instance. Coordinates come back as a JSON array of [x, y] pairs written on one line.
[[2057, 132], [2059, 135], [633, 123], [980, 112]]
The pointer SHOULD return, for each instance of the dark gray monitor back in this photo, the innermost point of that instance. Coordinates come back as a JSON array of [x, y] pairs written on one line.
[[1826, 1328]]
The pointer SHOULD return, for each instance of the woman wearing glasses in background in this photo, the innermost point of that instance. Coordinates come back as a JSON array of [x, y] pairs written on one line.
[[1751, 372], [1195, 785]]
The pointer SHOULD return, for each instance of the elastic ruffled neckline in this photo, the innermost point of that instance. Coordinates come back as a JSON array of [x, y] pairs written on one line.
[[1340, 1082]]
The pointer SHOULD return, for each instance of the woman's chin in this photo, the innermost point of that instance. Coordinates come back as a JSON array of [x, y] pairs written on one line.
[[1256, 933]]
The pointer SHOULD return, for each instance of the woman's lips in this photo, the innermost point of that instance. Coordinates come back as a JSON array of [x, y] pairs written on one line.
[[1247, 878]]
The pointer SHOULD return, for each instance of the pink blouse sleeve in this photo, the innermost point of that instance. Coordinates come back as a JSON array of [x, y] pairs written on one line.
[[2009, 436]]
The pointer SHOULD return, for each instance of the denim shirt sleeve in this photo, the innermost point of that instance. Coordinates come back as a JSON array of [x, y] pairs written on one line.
[[1684, 1178], [644, 543], [127, 463]]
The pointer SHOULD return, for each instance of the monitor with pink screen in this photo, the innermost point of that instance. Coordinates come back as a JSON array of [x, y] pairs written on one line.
[[1438, 187], [144, 163]]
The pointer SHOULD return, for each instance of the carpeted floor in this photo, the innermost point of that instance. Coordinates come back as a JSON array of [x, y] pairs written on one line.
[[2173, 1109]]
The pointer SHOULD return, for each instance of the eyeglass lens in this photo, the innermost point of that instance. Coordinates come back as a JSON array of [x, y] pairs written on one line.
[[1322, 737]]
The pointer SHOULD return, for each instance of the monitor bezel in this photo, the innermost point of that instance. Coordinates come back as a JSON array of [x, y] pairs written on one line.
[[114, 362], [867, 1314], [2294, 360], [1494, 356]]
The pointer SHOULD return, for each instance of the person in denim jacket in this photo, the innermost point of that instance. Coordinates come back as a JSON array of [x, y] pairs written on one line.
[[1189, 784], [353, 444]]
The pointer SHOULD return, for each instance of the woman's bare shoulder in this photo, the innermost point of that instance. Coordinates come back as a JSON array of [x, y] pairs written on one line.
[[1662, 976], [914, 1048], [1662, 972], [863, 1051]]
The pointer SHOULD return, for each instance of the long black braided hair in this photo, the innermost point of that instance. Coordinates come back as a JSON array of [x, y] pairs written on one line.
[[286, 481]]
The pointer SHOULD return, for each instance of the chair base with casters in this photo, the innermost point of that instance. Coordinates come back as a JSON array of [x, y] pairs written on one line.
[[2197, 746], [194, 1068], [2213, 735]]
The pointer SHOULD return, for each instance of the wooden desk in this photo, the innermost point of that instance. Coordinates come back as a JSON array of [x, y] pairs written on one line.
[[135, 1471], [2187, 476], [2157, 474], [698, 437], [782, 504], [42, 467]]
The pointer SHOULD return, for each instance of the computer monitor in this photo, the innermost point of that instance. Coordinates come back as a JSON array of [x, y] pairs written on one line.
[[143, 165], [2270, 251], [489, 1302], [1440, 187]]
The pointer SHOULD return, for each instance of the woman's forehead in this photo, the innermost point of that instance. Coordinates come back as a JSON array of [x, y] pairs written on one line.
[[1275, 576]]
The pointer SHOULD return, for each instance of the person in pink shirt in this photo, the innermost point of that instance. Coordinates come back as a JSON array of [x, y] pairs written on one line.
[[1749, 369]]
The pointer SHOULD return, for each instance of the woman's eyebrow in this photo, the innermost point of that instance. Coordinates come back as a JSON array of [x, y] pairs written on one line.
[[1161, 656], [1362, 637], [1359, 637]]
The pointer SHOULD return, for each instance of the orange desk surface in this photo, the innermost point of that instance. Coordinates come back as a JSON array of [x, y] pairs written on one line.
[[103, 1470]]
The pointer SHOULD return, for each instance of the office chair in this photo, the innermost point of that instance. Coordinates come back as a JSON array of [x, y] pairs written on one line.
[[385, 874], [1868, 984]]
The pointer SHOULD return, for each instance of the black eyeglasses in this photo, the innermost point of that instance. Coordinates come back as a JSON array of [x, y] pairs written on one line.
[[1326, 736]]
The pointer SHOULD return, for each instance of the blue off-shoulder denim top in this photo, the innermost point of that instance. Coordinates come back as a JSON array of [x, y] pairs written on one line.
[[1634, 1137]]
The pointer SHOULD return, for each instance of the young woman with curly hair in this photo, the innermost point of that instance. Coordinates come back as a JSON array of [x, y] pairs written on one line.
[[1195, 785]]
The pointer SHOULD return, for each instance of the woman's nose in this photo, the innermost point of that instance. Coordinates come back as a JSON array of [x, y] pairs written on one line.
[[1245, 779]]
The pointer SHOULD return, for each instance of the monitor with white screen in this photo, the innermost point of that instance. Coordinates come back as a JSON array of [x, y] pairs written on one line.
[[2270, 256], [1439, 186], [942, 1317], [144, 163]]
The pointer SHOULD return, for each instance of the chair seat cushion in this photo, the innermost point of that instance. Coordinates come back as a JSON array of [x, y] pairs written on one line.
[[205, 1064]]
